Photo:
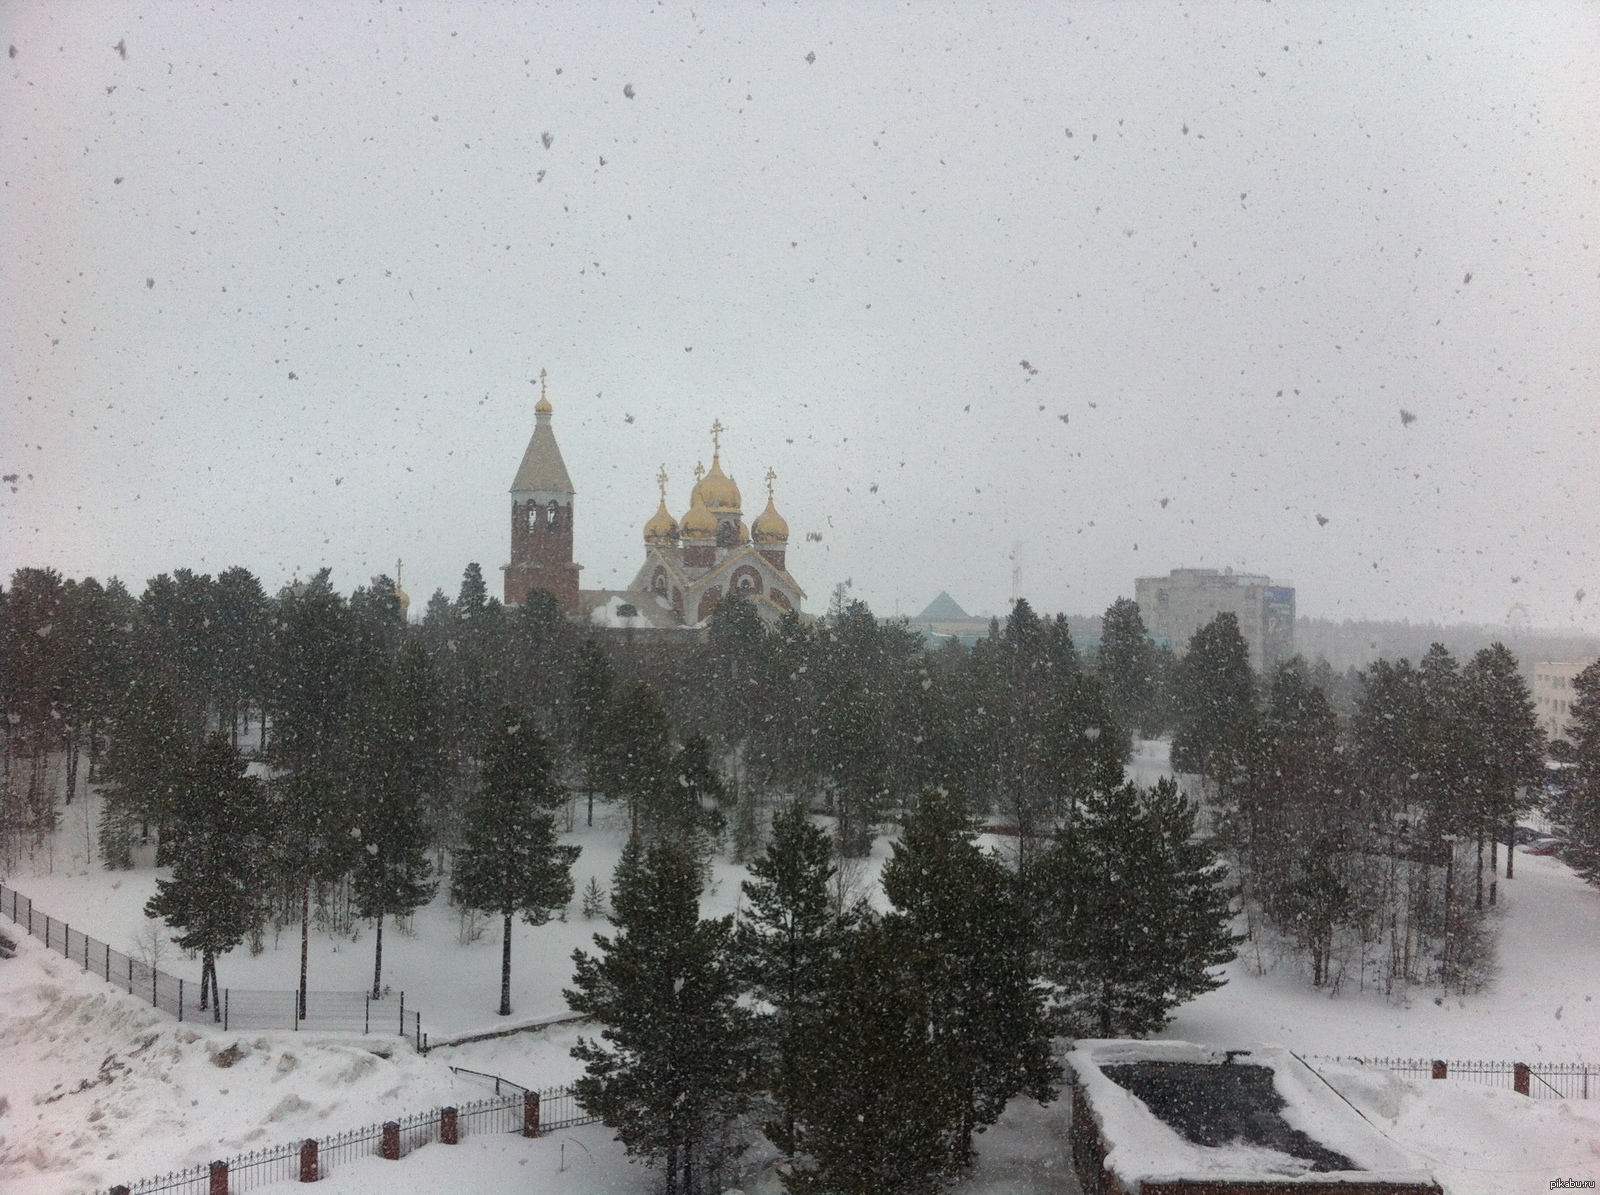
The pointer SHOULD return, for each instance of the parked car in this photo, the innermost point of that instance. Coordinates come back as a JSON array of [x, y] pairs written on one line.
[[1546, 844]]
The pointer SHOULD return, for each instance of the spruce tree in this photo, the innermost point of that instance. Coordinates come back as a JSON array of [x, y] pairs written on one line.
[[1132, 913], [961, 907], [214, 897], [787, 938], [674, 1062], [510, 861]]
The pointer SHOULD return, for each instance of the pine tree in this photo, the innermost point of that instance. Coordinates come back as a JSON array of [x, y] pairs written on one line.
[[1125, 664], [1514, 746], [673, 1065], [687, 806], [1132, 913], [1578, 806], [389, 773], [589, 698], [214, 897], [787, 938], [961, 907], [876, 1096], [1215, 705], [637, 759], [474, 596], [510, 861], [145, 763]]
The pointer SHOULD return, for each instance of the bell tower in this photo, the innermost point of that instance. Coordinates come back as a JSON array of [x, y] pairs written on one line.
[[541, 518]]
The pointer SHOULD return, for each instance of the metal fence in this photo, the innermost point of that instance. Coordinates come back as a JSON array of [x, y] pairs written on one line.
[[232, 1008], [555, 1108], [1546, 1080]]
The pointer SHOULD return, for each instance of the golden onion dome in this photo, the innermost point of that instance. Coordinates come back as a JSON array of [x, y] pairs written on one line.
[[699, 523], [662, 529], [770, 526], [716, 487]]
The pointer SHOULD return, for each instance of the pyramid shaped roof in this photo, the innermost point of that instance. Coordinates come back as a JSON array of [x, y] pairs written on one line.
[[943, 607], [542, 467]]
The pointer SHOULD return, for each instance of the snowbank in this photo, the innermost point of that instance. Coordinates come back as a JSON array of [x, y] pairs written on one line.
[[99, 1088]]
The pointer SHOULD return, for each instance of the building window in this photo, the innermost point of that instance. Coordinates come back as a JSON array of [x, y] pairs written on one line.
[[554, 511]]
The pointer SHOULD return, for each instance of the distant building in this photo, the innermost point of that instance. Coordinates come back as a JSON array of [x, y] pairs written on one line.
[[689, 566], [1174, 607], [1553, 695], [944, 620]]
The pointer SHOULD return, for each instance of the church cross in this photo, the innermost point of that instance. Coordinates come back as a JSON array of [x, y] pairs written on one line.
[[716, 436], [772, 476], [661, 480]]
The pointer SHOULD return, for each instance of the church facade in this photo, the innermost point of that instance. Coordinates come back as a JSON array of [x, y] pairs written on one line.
[[689, 565]]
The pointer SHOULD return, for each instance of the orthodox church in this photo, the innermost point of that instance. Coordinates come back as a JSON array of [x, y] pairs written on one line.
[[689, 564]]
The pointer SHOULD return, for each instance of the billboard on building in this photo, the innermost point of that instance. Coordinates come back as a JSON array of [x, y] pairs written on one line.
[[1277, 626]]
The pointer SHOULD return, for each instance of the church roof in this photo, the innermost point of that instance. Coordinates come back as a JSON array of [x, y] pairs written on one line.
[[542, 467], [943, 607]]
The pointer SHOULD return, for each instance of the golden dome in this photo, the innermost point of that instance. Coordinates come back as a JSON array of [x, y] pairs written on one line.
[[716, 487], [662, 528], [770, 527], [542, 407], [699, 524]]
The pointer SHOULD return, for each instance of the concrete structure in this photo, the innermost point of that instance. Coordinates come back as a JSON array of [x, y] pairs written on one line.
[[1553, 695], [1171, 1118], [1174, 607]]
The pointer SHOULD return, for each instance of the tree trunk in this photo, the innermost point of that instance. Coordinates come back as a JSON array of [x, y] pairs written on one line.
[[72, 765], [205, 979], [1511, 845], [305, 940], [672, 1167], [505, 969], [1477, 899], [591, 806], [377, 963]]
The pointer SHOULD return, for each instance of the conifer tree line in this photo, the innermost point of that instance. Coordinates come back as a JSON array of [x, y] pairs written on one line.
[[699, 735], [866, 1048], [1365, 838]]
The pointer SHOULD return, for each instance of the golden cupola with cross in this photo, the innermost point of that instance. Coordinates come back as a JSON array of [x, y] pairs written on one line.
[[693, 563]]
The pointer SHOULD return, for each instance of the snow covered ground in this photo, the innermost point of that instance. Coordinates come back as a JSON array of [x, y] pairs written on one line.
[[97, 1088]]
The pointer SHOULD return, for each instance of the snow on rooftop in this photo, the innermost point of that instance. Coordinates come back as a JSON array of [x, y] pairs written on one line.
[[1142, 1148]]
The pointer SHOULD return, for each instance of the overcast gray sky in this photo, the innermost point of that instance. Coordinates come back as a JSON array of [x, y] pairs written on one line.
[[275, 284]]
